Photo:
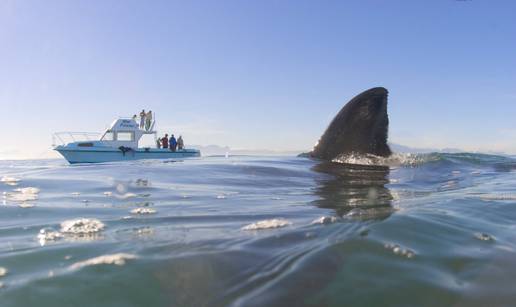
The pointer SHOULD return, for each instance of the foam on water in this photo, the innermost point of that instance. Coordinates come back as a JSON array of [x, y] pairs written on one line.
[[143, 211], [484, 236], [3, 271], [22, 194], [9, 180], [82, 226], [268, 224], [493, 196], [28, 190], [125, 196], [116, 259], [325, 220], [394, 160], [48, 234]]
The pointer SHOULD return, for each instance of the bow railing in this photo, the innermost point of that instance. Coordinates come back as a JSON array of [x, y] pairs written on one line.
[[65, 137]]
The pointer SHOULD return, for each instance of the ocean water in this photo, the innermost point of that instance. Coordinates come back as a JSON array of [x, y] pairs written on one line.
[[413, 230]]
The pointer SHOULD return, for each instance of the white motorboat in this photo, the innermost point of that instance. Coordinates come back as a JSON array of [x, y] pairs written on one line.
[[118, 143]]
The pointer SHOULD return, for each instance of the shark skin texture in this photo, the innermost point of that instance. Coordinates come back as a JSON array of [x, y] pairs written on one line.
[[361, 127]]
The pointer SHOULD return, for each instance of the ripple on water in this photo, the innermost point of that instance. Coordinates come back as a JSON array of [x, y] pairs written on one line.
[[268, 224]]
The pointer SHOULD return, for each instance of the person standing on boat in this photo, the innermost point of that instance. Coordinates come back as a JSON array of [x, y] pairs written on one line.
[[180, 143], [135, 117], [142, 119], [158, 143], [172, 143], [164, 141], [148, 120]]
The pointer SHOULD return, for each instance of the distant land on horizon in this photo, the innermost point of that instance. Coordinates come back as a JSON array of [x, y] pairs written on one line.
[[211, 150], [217, 150]]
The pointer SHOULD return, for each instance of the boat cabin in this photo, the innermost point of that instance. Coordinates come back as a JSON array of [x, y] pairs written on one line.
[[125, 132]]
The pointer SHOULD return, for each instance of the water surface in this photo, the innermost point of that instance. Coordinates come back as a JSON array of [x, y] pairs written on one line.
[[426, 230]]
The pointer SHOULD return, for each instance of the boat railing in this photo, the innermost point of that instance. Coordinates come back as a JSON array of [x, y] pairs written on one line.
[[65, 137]]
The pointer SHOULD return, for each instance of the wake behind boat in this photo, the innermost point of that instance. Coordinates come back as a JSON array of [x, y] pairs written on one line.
[[120, 142]]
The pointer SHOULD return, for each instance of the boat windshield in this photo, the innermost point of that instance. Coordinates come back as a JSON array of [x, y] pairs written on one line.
[[108, 136]]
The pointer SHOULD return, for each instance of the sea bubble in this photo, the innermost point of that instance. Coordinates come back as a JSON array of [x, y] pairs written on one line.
[[400, 251]]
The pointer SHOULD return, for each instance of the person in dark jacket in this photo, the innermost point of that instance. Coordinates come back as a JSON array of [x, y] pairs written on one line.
[[164, 141], [173, 143]]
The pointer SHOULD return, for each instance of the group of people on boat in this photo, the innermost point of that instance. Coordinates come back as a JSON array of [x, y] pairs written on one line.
[[171, 143], [145, 119]]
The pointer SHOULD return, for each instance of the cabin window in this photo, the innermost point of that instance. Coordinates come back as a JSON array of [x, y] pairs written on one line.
[[108, 136], [125, 136]]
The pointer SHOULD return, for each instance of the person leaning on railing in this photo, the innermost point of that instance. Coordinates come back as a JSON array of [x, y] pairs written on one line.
[[142, 119], [180, 143], [164, 141], [148, 120], [172, 143]]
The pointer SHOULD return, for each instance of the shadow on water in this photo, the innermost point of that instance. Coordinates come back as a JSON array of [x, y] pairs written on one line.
[[354, 190]]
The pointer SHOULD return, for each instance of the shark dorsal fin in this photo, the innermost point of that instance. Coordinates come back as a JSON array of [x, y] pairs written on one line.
[[361, 127]]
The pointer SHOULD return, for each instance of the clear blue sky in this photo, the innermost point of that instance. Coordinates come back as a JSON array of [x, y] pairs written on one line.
[[258, 74]]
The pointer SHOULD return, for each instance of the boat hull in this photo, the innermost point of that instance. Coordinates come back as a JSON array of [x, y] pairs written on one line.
[[99, 155]]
